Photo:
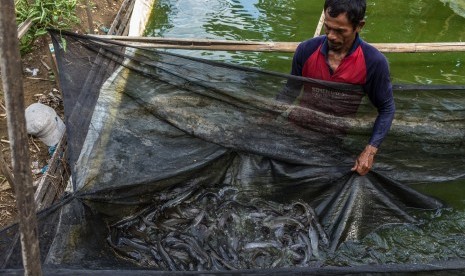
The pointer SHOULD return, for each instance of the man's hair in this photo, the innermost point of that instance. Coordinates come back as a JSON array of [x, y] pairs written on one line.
[[355, 9]]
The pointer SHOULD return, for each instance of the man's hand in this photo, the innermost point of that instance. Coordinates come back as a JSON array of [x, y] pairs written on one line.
[[364, 161]]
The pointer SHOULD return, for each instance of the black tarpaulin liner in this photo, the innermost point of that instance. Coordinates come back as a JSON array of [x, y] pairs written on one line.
[[146, 128]]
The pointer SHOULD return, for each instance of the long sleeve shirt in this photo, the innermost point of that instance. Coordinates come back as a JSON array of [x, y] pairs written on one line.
[[364, 65]]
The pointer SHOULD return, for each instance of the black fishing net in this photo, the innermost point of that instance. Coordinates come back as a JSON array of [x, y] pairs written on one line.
[[183, 164]]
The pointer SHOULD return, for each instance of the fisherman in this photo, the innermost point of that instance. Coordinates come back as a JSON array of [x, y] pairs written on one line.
[[342, 56]]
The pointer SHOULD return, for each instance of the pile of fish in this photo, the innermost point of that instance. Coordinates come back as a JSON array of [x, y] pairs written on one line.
[[220, 229]]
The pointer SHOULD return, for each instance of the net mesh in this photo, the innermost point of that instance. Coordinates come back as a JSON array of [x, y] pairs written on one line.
[[186, 164]]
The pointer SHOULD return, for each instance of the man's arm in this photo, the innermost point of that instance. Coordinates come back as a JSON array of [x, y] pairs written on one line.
[[293, 86], [291, 91], [379, 90], [365, 160]]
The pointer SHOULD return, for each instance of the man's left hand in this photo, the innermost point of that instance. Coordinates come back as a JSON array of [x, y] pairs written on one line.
[[364, 161]]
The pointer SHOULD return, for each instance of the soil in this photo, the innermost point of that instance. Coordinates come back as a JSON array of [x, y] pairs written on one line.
[[43, 88]]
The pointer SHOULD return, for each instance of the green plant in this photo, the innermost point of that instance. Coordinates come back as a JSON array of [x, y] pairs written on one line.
[[58, 14]]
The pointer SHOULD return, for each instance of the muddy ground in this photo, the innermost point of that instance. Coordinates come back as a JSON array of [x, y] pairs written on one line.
[[43, 88]]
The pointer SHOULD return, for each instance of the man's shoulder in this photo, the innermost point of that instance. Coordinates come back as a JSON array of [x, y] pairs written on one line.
[[314, 40], [312, 43], [372, 53]]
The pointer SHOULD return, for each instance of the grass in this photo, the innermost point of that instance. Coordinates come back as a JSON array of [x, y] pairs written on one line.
[[57, 14]]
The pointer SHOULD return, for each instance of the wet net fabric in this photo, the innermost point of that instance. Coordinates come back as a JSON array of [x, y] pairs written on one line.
[[182, 164]]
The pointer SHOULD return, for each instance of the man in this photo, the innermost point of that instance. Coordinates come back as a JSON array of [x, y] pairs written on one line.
[[341, 56]]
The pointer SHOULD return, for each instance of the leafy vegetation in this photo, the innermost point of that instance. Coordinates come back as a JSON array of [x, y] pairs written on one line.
[[58, 14]]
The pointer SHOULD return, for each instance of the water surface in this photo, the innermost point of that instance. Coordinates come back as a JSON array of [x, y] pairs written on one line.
[[388, 21]]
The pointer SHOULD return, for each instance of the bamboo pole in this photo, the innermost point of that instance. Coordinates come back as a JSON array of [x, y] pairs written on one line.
[[320, 24], [427, 47], [230, 45], [10, 64]]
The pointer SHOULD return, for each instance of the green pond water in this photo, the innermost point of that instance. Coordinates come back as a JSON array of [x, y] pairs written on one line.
[[388, 21]]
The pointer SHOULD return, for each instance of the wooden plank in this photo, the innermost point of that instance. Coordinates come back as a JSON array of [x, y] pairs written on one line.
[[230, 45], [124, 24], [185, 41], [264, 47], [126, 7], [201, 44], [431, 47], [11, 68]]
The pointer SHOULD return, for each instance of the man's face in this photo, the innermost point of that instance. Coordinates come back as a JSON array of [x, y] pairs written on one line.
[[340, 32]]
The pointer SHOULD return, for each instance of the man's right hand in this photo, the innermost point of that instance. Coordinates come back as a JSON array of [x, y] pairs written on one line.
[[365, 160]]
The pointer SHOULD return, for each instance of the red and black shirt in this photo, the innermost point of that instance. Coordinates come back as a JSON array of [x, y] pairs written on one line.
[[364, 65]]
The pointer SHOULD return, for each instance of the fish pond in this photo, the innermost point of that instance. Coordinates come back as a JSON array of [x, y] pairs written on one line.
[[387, 21]]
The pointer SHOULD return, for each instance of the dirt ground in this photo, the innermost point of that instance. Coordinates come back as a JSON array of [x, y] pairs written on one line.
[[43, 88]]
